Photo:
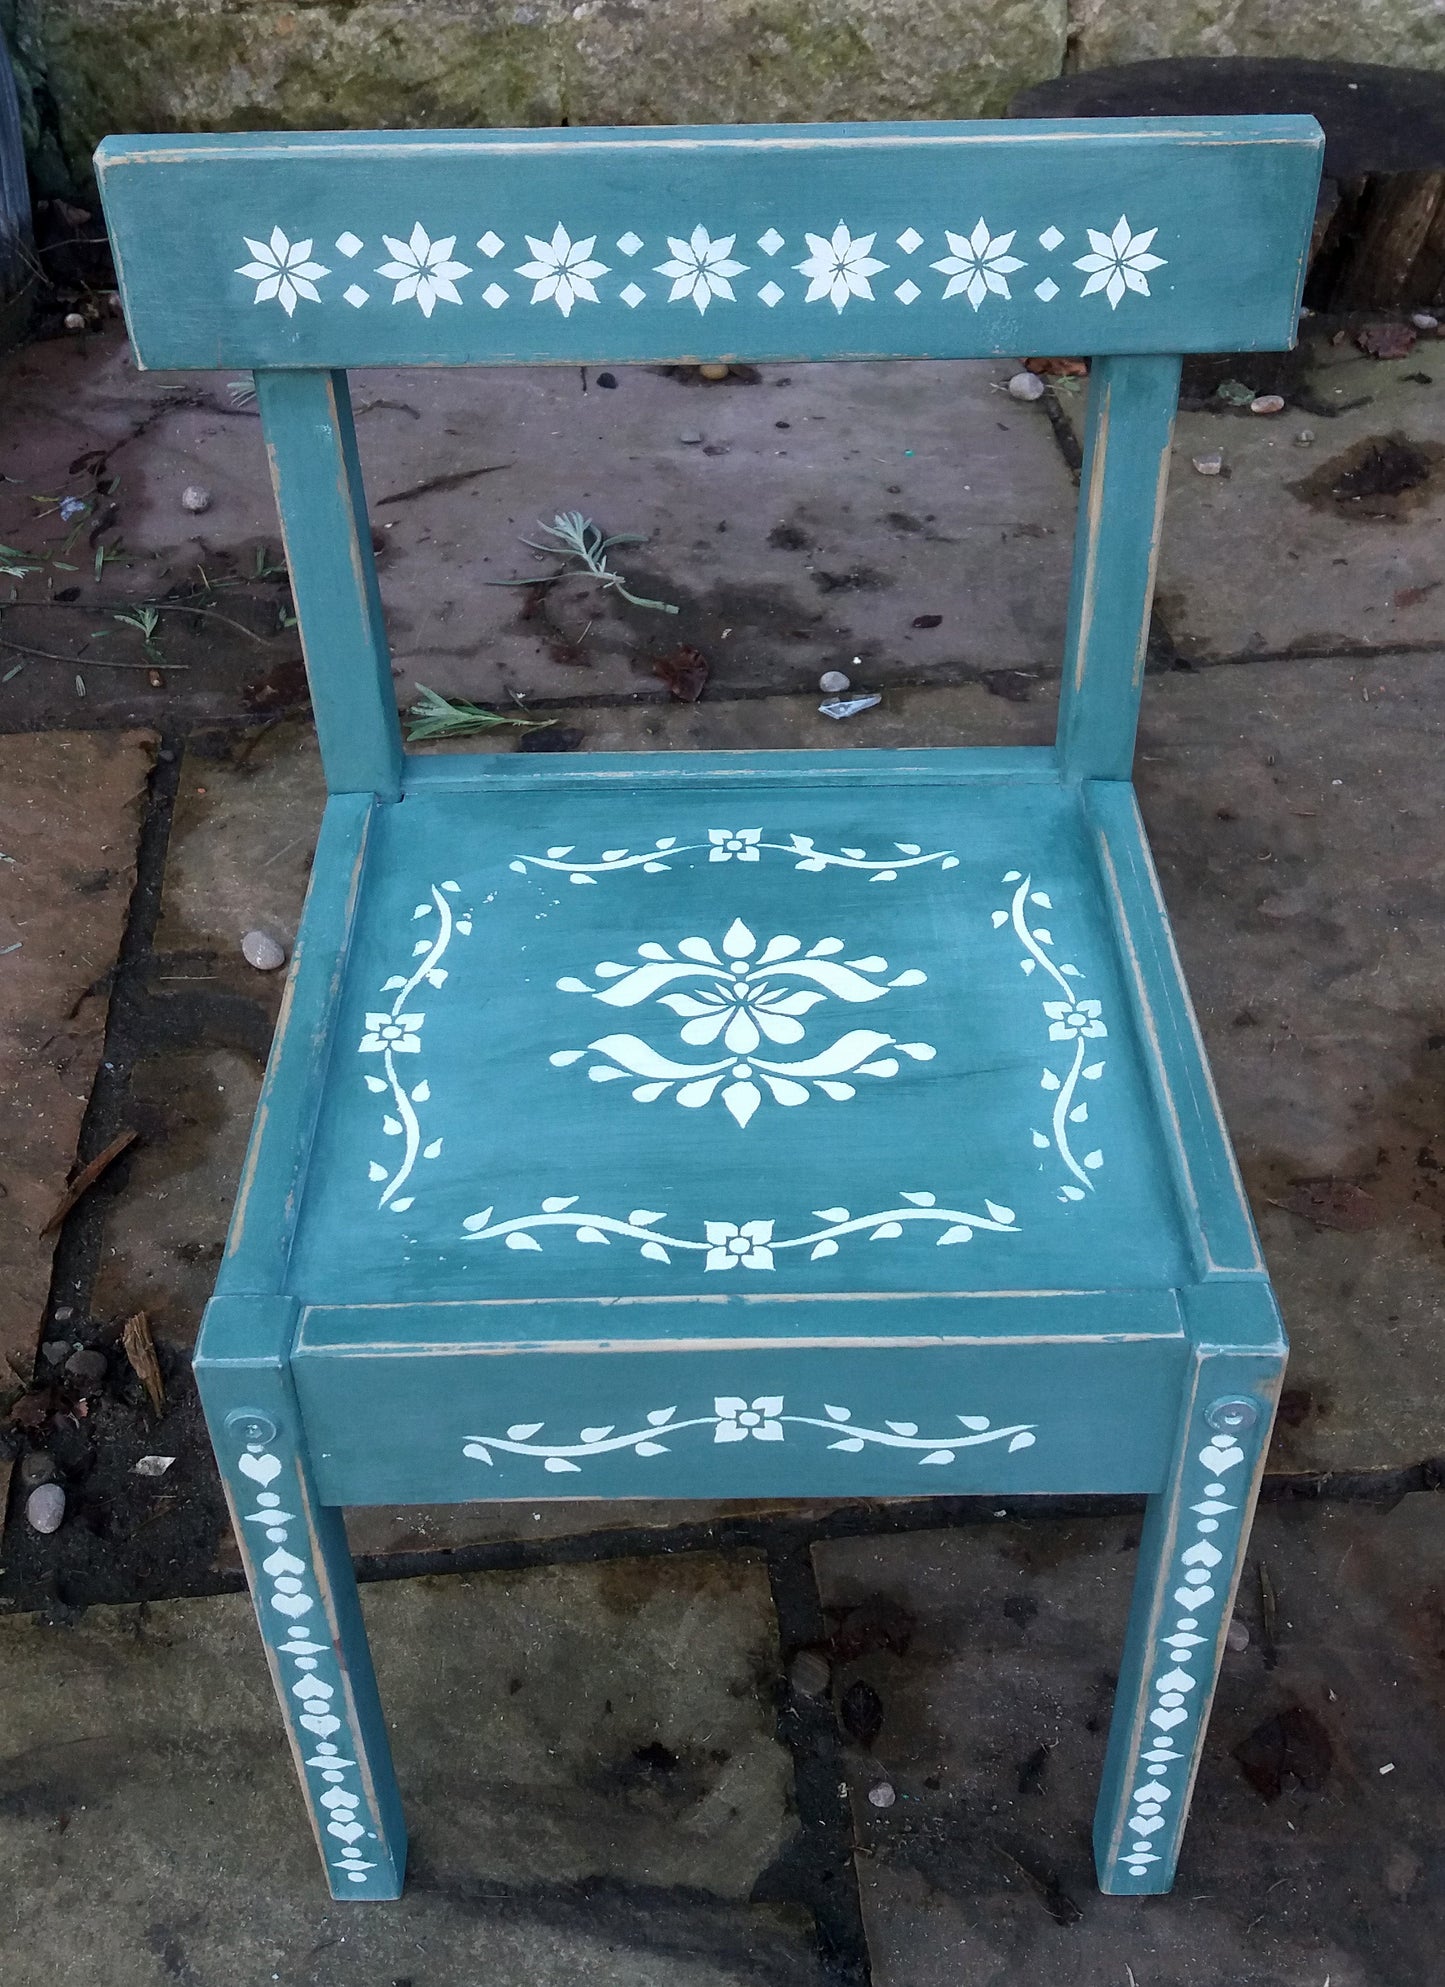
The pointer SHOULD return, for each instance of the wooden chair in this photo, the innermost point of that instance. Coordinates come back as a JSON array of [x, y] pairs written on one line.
[[757, 1124]]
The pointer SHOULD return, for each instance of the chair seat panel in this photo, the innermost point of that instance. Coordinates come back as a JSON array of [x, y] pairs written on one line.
[[623, 1043], [759, 1421]]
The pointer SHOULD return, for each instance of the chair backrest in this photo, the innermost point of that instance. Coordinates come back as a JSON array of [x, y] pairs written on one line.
[[1131, 241]]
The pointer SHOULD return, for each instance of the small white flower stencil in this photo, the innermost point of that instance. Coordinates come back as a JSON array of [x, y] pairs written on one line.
[[423, 269], [700, 268], [562, 270], [283, 270], [839, 267], [1119, 262], [980, 263]]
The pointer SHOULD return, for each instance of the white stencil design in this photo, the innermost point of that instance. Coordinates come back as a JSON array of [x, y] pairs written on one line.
[[747, 996], [1071, 1019], [286, 1586], [739, 1418], [1120, 261], [838, 267], [1180, 1697], [700, 268], [283, 270], [735, 844], [980, 263], [423, 269], [751, 1244], [562, 270], [396, 1032]]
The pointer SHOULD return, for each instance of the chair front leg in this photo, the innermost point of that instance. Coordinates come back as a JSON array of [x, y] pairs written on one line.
[[303, 1586], [1191, 1555]]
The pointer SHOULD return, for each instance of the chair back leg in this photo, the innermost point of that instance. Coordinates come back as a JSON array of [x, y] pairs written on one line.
[[1191, 1555]]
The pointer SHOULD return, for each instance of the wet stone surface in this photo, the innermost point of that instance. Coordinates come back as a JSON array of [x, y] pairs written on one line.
[[1315, 1842]]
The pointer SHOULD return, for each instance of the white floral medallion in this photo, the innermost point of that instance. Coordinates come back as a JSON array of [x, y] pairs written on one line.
[[701, 267], [738, 1418], [746, 994]]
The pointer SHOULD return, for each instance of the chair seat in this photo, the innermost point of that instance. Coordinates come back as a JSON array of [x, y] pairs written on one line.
[[785, 1042]]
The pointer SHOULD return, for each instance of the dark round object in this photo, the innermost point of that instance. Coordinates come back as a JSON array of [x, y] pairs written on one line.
[[1376, 119], [861, 1710]]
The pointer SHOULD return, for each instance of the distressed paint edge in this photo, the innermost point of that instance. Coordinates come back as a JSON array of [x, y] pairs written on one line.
[[1214, 1202], [941, 765], [277, 1158]]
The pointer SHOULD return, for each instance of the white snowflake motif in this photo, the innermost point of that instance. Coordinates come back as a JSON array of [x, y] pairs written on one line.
[[424, 269], [398, 1032], [700, 268], [562, 270], [840, 268], [282, 269], [736, 1421], [730, 842], [1070, 1019], [1119, 262], [980, 262]]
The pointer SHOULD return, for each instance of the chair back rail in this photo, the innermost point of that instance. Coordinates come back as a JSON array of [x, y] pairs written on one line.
[[301, 255]]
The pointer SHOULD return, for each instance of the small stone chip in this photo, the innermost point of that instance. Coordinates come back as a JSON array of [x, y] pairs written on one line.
[[153, 1465], [1211, 463], [834, 682], [882, 1796], [714, 371], [1267, 403], [194, 498], [848, 707], [1236, 1637], [1026, 386], [260, 950]]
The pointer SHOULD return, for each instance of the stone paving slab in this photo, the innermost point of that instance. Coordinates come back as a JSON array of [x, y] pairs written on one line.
[[1327, 1867], [70, 816], [1260, 559], [588, 1756]]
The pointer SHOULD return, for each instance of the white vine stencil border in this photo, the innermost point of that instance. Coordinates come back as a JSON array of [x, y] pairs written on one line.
[[735, 845], [738, 1418]]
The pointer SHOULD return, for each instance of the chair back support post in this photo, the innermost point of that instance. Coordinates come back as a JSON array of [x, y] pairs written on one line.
[[311, 446], [1129, 433]]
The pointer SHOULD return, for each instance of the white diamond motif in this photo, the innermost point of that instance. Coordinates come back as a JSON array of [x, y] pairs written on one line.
[[909, 240], [1047, 290], [349, 244], [770, 294], [629, 243], [494, 295], [491, 243], [907, 293], [1050, 239], [632, 296], [771, 242], [356, 296]]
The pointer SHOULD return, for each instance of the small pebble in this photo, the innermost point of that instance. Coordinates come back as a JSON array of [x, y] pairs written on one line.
[[260, 950], [1423, 321], [194, 498], [882, 1796], [607, 379], [713, 371], [1026, 386], [1305, 438], [1267, 403], [1210, 463], [86, 1367], [810, 1673], [153, 1465], [848, 707], [834, 682], [64, 1313], [45, 1508], [1236, 1636], [36, 1468], [73, 322], [55, 1350], [690, 438]]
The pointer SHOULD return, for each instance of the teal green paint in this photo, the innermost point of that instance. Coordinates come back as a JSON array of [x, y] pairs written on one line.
[[311, 441], [736, 1124], [1230, 202], [1121, 510]]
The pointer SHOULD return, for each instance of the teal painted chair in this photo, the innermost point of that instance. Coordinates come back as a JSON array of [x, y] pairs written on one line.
[[743, 1124]]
